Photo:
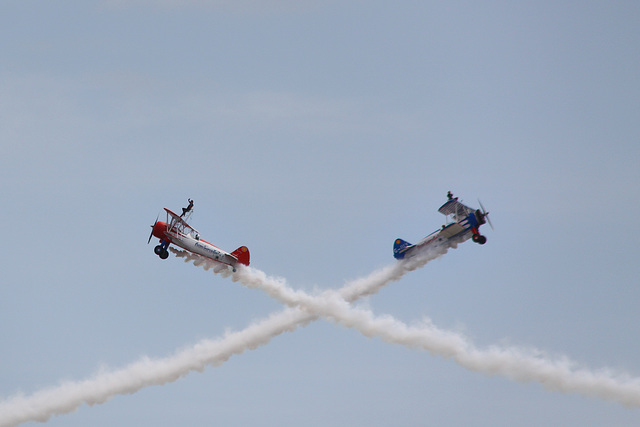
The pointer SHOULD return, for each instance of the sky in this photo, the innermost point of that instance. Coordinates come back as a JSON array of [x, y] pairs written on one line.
[[316, 133]]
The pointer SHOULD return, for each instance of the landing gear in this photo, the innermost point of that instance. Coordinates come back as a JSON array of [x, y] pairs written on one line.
[[479, 239], [161, 251]]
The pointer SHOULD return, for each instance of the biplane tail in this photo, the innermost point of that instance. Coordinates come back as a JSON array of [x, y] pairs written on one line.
[[400, 247], [242, 255]]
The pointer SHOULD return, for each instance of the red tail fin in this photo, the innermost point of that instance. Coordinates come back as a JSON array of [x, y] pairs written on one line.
[[242, 255]]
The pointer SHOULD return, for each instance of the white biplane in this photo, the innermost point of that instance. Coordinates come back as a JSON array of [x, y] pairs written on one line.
[[176, 230], [462, 223]]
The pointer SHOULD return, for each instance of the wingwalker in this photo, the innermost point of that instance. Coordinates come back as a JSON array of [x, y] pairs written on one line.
[[177, 231], [462, 223]]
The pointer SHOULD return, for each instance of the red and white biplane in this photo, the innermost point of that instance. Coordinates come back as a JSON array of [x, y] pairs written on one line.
[[176, 230]]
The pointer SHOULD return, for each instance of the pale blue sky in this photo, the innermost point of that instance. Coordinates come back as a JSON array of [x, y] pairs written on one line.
[[316, 133]]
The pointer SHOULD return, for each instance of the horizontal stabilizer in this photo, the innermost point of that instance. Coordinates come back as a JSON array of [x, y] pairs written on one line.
[[242, 255], [400, 247]]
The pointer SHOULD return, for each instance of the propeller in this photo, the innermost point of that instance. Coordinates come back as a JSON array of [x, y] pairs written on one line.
[[152, 227], [485, 214]]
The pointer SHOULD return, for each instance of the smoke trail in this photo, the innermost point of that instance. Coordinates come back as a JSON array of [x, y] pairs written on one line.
[[352, 291], [560, 374], [69, 396]]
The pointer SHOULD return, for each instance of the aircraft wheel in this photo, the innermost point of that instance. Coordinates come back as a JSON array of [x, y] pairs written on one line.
[[164, 254], [481, 240], [475, 238], [157, 250]]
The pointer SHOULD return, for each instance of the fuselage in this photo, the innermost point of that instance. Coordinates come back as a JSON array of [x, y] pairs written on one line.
[[454, 233], [192, 243], [198, 246]]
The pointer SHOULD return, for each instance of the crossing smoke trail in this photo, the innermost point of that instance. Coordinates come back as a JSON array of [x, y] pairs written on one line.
[[69, 396], [517, 364]]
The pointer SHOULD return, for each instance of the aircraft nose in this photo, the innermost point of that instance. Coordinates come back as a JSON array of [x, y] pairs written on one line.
[[159, 228]]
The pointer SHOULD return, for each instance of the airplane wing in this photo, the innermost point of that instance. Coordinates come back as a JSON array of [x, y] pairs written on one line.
[[178, 223], [454, 207], [451, 230]]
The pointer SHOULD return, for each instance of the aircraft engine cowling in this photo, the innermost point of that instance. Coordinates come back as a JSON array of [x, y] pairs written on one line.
[[159, 229]]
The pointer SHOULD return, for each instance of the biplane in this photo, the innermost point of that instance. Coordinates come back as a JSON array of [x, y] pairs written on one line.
[[176, 230], [462, 223]]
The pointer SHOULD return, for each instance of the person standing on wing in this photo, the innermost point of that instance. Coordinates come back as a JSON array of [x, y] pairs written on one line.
[[187, 209]]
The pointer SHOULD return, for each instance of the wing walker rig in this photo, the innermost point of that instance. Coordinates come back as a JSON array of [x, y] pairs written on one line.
[[462, 223], [177, 231]]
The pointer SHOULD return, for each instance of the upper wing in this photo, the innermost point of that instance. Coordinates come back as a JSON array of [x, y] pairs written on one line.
[[178, 223], [454, 207]]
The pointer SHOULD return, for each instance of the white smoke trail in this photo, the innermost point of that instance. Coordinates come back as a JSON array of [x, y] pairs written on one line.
[[357, 288], [560, 374], [69, 396]]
